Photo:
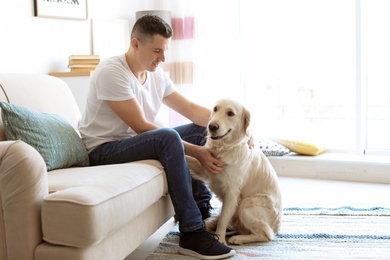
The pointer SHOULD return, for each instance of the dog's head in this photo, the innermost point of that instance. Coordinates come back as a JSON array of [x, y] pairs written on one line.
[[229, 122]]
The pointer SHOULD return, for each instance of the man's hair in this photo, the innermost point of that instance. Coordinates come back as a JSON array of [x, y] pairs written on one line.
[[148, 25]]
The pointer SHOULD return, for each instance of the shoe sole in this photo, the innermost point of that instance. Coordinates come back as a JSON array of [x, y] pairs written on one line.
[[189, 252]]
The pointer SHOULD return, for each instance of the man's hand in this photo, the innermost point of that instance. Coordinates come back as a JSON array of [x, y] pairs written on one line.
[[251, 143], [208, 158]]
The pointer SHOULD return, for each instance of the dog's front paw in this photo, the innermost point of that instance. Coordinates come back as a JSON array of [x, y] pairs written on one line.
[[236, 240]]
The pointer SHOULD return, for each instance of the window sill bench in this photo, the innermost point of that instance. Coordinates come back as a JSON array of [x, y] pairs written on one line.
[[334, 166]]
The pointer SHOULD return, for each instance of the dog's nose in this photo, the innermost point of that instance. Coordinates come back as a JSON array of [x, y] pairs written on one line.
[[213, 127]]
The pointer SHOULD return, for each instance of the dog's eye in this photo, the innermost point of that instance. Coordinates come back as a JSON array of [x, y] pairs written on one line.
[[215, 109], [230, 113]]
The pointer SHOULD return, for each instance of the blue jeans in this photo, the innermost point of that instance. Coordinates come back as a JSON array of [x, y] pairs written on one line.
[[165, 145]]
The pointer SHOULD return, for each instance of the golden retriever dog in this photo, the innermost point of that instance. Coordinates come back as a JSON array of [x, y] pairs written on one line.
[[248, 186]]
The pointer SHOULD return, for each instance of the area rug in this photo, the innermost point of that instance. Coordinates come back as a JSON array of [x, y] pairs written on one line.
[[312, 233]]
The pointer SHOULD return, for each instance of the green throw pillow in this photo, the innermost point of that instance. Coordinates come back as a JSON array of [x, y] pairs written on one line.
[[51, 135]]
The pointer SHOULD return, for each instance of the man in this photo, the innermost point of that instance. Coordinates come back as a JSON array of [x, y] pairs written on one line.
[[118, 126]]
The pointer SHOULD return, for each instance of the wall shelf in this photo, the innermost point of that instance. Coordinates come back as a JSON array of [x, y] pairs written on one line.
[[71, 74]]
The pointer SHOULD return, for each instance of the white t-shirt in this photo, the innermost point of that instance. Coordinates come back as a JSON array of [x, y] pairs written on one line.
[[113, 80]]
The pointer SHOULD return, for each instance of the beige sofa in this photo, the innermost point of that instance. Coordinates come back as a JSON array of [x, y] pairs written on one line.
[[102, 212]]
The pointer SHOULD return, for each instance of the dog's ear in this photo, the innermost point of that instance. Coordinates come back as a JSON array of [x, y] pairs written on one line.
[[246, 116]]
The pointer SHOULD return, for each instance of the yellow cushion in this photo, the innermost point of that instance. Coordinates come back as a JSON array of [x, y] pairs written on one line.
[[301, 147]]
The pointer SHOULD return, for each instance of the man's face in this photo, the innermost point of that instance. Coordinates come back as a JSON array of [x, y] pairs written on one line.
[[152, 53]]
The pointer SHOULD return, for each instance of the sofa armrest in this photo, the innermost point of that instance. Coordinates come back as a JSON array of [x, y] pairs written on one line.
[[23, 185]]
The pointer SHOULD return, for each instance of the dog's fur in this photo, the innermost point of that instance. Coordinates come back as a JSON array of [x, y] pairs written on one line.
[[248, 186]]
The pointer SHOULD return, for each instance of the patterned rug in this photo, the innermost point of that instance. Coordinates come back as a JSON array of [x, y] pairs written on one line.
[[312, 233]]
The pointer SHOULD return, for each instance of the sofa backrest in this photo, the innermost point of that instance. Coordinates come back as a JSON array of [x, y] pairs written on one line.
[[41, 93]]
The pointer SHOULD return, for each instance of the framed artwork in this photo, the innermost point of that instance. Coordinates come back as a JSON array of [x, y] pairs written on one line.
[[68, 9]]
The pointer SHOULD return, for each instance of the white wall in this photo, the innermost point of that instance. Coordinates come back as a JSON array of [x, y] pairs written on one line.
[[31, 44]]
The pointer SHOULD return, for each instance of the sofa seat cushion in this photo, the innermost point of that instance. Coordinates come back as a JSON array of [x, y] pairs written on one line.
[[88, 204]]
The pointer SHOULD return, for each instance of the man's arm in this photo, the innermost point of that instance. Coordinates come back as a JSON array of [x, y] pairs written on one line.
[[131, 113], [194, 112]]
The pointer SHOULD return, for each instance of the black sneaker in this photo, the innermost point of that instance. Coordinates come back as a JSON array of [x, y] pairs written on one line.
[[203, 245]]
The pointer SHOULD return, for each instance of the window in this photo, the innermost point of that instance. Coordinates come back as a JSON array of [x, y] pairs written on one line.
[[301, 67], [376, 37]]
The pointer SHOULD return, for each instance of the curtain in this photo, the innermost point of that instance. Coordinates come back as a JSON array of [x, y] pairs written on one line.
[[203, 57], [179, 63]]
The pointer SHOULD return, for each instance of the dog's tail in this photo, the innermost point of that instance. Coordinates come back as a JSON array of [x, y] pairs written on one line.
[[263, 229], [269, 232], [258, 227]]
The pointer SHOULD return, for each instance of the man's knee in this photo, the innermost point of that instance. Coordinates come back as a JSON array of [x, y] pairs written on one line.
[[169, 134]]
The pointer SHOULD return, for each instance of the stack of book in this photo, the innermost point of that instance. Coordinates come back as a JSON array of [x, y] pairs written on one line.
[[83, 63]]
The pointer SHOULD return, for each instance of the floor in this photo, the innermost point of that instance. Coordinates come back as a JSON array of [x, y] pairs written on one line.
[[301, 192]]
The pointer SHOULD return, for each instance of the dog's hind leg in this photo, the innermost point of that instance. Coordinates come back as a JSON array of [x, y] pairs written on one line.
[[263, 234], [256, 220], [259, 230]]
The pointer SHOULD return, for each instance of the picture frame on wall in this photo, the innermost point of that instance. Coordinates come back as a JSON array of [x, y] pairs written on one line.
[[66, 9]]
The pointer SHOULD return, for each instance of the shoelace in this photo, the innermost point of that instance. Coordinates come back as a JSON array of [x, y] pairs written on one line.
[[213, 235]]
